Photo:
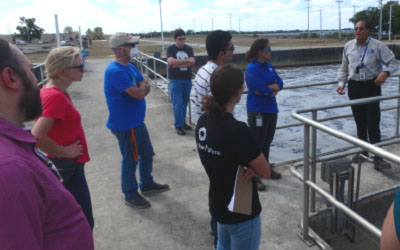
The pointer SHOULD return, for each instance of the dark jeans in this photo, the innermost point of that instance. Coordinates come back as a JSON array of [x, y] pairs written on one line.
[[78, 186], [264, 134], [366, 116], [214, 230]]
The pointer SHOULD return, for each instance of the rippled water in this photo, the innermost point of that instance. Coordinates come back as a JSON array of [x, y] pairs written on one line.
[[288, 143]]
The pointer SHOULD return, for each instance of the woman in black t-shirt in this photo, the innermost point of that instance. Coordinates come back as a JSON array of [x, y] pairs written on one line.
[[224, 144]]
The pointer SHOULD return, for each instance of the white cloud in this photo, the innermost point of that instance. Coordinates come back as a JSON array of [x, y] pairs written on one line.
[[144, 15]]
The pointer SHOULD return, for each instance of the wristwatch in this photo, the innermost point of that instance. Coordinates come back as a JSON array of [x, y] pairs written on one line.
[[387, 73]]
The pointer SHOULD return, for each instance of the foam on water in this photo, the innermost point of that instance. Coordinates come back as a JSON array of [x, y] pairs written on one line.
[[288, 143]]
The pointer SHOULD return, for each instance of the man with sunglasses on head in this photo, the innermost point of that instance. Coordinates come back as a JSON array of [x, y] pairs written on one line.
[[36, 211], [180, 59], [219, 50], [361, 68], [125, 90]]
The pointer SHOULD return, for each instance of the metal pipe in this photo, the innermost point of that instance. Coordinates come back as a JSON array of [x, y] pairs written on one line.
[[366, 146], [306, 189], [398, 113], [155, 70], [366, 224], [313, 159]]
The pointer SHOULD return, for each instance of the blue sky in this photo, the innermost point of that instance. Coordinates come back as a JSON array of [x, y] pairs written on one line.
[[144, 16]]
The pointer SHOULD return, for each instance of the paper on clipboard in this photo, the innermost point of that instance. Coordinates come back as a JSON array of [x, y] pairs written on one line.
[[242, 198]]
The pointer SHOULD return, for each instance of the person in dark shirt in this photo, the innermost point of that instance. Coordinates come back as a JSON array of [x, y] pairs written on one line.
[[225, 144], [180, 59]]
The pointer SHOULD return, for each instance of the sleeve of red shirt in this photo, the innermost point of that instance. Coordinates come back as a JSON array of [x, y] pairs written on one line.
[[54, 106], [22, 208]]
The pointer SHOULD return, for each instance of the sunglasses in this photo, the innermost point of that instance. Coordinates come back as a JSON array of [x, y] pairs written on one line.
[[359, 28], [267, 49], [181, 39], [49, 164], [80, 67], [231, 48]]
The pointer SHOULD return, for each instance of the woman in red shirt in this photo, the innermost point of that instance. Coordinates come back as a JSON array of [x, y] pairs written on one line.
[[59, 130]]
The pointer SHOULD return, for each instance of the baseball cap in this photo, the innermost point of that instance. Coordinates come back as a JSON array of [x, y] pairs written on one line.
[[119, 39]]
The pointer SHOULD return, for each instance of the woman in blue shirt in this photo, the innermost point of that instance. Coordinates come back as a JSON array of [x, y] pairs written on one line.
[[263, 84]]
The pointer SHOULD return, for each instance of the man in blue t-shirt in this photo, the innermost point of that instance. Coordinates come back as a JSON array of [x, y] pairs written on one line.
[[125, 90], [180, 60]]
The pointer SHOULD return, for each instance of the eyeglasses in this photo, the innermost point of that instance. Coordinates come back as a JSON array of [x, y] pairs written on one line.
[[181, 39], [80, 67], [267, 49], [48, 163], [231, 48], [131, 45], [359, 28]]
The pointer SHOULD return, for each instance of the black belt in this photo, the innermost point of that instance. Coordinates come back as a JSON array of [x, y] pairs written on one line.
[[372, 81]]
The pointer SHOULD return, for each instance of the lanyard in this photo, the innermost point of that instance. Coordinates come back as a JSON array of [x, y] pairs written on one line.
[[365, 51]]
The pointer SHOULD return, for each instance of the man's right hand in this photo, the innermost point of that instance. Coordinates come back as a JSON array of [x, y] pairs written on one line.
[[340, 90], [73, 150]]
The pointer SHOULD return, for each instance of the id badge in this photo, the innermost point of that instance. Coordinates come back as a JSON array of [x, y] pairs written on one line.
[[363, 75], [259, 120]]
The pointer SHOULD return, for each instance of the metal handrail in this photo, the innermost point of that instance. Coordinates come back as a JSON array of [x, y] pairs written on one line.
[[41, 67], [307, 183]]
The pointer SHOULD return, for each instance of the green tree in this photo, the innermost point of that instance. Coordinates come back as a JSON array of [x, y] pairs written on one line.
[[89, 34], [371, 15], [28, 30], [68, 30], [98, 33]]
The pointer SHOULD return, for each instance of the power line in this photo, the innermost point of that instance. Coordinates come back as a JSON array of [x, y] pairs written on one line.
[[308, 18], [320, 23], [354, 11], [340, 18], [380, 20], [230, 22]]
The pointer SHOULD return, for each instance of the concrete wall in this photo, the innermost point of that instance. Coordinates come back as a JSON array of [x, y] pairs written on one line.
[[286, 58]]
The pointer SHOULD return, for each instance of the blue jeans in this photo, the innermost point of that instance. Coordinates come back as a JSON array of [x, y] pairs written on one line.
[[78, 186], [245, 235], [140, 146], [180, 96]]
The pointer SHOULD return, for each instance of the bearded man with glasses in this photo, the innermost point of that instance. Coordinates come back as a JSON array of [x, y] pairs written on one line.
[[36, 211]]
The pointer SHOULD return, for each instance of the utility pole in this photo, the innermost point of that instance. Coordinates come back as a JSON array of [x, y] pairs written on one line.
[[390, 22], [239, 25], [194, 26], [380, 21], [162, 32], [320, 23], [212, 24], [230, 22], [340, 18], [354, 11], [9, 32], [308, 18], [57, 31]]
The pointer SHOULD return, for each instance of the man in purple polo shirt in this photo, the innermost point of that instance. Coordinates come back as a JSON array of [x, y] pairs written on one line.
[[36, 211]]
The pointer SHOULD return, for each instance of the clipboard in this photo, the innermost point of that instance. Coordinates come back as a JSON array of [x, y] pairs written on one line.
[[242, 198]]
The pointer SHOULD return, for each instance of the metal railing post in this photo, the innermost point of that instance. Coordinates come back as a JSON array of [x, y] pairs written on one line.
[[41, 73], [306, 177], [155, 71], [313, 160], [169, 90], [398, 113], [147, 68]]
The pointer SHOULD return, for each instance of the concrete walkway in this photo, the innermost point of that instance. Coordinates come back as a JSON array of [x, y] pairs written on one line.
[[178, 219]]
